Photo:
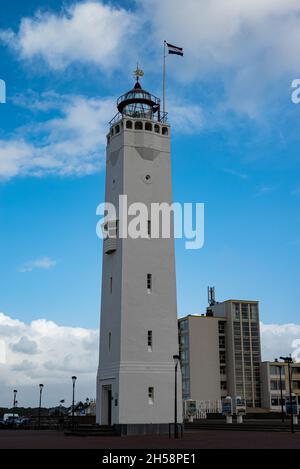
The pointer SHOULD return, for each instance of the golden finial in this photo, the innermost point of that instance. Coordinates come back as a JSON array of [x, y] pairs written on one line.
[[138, 73]]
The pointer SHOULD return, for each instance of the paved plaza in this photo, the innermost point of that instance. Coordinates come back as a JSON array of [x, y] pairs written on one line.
[[208, 439]]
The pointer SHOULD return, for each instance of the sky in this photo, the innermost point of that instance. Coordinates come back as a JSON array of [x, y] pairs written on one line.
[[235, 148]]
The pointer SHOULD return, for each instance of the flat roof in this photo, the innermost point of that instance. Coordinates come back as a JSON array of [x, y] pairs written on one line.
[[201, 316]]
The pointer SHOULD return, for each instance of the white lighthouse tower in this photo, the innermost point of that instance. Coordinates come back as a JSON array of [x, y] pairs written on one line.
[[139, 331]]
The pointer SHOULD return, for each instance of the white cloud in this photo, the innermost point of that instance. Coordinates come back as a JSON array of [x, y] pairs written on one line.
[[233, 172], [44, 263], [73, 142], [70, 144], [87, 32], [280, 340], [243, 47], [186, 118], [56, 353], [25, 346], [61, 352]]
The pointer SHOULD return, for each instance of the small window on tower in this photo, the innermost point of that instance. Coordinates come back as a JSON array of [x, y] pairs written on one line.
[[128, 124], [149, 283], [151, 396], [138, 125], [148, 126], [150, 341], [117, 128], [157, 129], [165, 131]]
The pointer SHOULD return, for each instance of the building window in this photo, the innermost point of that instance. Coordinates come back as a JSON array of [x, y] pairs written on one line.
[[149, 283], [109, 341], [186, 387], [183, 325], [157, 129], [128, 124], [221, 327], [222, 370], [111, 284], [148, 126], [117, 129], [275, 385], [222, 357], [150, 341], [151, 395], [221, 342], [274, 370], [184, 339], [184, 356], [223, 385], [138, 125], [165, 131], [108, 140], [185, 371], [149, 228]]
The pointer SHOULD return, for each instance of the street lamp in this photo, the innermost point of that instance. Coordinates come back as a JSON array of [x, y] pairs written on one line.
[[14, 406], [74, 378], [177, 360], [281, 393], [289, 360], [40, 405]]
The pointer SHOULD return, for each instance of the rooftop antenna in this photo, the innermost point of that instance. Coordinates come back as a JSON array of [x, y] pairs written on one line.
[[211, 296]]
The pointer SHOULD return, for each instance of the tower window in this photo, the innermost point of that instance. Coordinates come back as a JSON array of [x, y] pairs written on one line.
[[165, 131], [108, 140], [157, 129], [111, 284], [151, 395], [117, 129], [138, 125], [148, 126], [149, 228], [150, 341], [149, 283], [128, 124], [112, 131]]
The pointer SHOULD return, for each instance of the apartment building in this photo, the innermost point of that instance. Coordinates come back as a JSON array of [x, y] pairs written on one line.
[[221, 352], [274, 376]]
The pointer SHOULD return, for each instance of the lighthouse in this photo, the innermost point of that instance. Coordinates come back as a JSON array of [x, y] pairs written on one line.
[[138, 330]]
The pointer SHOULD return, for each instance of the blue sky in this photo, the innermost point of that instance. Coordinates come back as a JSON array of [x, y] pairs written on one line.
[[235, 148]]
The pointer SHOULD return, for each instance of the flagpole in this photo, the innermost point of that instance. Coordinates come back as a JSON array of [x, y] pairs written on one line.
[[164, 80]]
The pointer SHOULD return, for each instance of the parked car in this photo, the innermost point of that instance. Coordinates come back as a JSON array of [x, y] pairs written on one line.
[[10, 416], [2, 424], [24, 422]]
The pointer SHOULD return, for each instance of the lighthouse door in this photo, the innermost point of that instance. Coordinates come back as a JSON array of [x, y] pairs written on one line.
[[106, 417]]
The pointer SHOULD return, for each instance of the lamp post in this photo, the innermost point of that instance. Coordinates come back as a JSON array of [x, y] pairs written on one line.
[[281, 393], [14, 407], [177, 360], [74, 378], [40, 405], [289, 360]]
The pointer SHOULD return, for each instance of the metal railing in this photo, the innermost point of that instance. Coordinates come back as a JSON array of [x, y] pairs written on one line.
[[157, 117]]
